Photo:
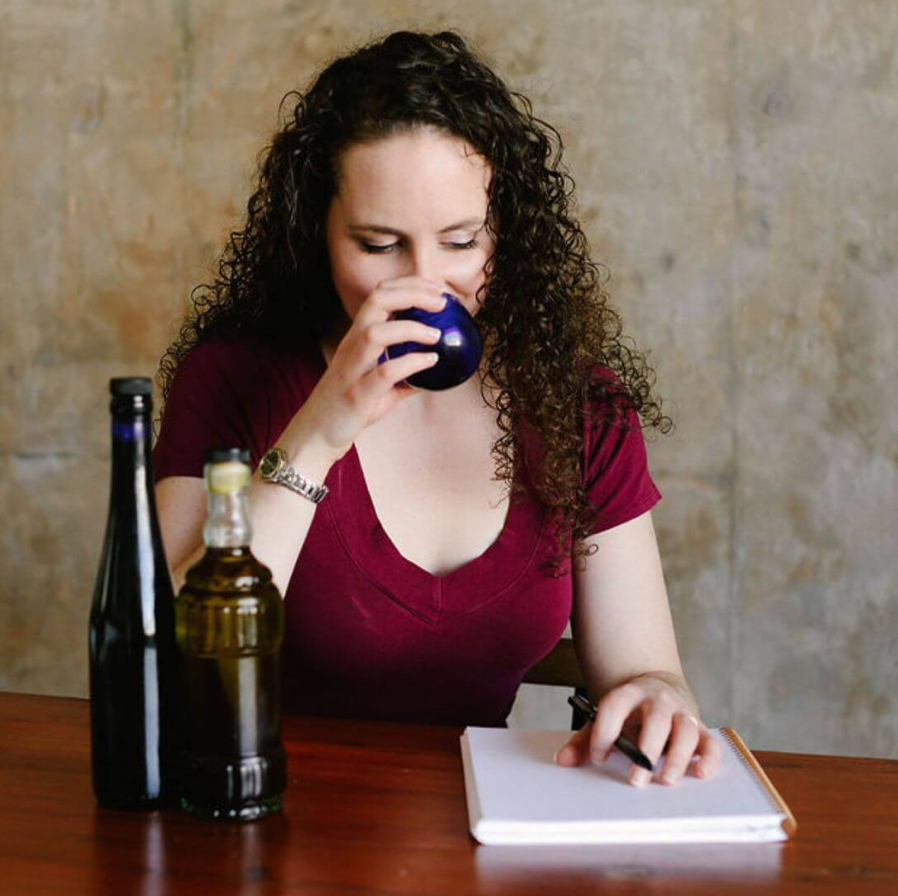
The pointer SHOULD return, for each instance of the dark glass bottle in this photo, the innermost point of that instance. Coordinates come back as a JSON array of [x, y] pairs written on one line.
[[131, 633], [229, 618]]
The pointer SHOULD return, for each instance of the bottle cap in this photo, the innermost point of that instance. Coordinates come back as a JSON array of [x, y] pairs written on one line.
[[130, 385], [223, 455], [227, 470]]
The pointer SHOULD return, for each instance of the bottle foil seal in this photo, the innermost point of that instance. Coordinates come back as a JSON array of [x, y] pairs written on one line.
[[227, 478]]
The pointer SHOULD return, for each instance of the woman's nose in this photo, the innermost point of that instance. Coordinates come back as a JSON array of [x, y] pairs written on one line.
[[424, 262]]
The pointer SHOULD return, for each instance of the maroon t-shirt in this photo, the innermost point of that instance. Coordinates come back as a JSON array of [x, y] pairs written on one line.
[[370, 634]]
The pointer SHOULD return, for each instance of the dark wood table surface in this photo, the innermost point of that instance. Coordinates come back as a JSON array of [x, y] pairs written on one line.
[[377, 807]]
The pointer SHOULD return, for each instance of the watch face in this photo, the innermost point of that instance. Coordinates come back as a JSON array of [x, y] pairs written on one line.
[[271, 461]]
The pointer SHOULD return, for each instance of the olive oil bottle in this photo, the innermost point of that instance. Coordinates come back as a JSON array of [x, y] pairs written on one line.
[[229, 622]]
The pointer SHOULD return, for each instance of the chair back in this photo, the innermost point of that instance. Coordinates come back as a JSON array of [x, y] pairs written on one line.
[[561, 668]]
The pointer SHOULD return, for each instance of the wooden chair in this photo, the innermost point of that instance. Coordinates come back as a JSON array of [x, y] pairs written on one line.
[[560, 667]]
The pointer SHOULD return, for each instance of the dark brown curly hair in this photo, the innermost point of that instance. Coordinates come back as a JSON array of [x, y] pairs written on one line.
[[545, 318]]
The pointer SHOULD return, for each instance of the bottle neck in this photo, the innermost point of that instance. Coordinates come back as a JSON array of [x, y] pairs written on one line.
[[227, 520], [130, 440], [132, 491], [133, 538]]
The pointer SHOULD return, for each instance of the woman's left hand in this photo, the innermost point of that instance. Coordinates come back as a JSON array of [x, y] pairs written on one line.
[[658, 717]]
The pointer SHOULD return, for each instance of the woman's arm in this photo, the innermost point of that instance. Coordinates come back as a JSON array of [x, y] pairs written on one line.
[[625, 643], [280, 518]]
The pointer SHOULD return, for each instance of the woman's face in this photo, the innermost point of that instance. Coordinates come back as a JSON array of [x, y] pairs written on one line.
[[410, 204]]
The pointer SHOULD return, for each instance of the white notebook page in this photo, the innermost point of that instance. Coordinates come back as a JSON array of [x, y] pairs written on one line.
[[518, 786]]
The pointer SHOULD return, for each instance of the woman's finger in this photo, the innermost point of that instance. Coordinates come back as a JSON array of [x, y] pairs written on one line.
[[656, 729], [709, 753], [684, 738], [577, 747], [611, 713]]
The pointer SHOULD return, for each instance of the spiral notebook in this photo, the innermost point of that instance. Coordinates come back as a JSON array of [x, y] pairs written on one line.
[[517, 794]]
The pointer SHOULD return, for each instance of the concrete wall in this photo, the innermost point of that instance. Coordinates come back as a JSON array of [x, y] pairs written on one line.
[[736, 170]]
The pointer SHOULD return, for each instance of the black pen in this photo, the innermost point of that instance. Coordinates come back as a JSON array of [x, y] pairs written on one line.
[[623, 743]]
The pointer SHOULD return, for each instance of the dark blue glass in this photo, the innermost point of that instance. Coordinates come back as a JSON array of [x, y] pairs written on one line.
[[460, 347]]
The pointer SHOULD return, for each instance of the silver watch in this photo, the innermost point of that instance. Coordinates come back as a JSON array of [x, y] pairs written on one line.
[[276, 468]]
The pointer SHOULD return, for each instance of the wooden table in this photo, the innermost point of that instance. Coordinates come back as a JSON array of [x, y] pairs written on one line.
[[379, 808]]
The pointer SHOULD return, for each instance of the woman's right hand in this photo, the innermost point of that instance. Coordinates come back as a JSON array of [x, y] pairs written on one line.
[[355, 391]]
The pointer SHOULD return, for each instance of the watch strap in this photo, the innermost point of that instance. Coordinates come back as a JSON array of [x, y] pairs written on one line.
[[287, 476]]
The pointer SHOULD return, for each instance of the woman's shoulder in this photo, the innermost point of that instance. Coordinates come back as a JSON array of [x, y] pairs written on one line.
[[609, 399], [235, 390], [604, 377], [243, 368], [231, 348], [244, 355]]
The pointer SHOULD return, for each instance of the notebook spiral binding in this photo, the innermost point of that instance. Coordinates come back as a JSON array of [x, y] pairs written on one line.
[[735, 747]]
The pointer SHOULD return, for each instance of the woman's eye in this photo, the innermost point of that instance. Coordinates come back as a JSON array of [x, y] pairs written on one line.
[[375, 249]]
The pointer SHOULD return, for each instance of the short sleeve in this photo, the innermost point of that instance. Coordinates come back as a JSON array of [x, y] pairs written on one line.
[[215, 400], [616, 474]]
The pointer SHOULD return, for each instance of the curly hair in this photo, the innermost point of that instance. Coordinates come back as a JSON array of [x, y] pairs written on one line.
[[545, 318]]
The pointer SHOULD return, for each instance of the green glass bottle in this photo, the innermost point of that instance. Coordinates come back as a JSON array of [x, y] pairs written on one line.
[[229, 622]]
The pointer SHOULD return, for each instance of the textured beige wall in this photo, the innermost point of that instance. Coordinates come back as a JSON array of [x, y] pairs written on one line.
[[736, 169]]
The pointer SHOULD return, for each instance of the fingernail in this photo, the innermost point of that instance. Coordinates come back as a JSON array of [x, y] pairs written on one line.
[[640, 777]]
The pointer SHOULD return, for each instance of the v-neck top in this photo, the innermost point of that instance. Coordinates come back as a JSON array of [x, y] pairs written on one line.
[[369, 633]]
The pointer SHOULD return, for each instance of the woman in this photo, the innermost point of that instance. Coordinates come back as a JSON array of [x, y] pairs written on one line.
[[422, 587]]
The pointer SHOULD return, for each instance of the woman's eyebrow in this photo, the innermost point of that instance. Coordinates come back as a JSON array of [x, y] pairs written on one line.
[[382, 228]]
